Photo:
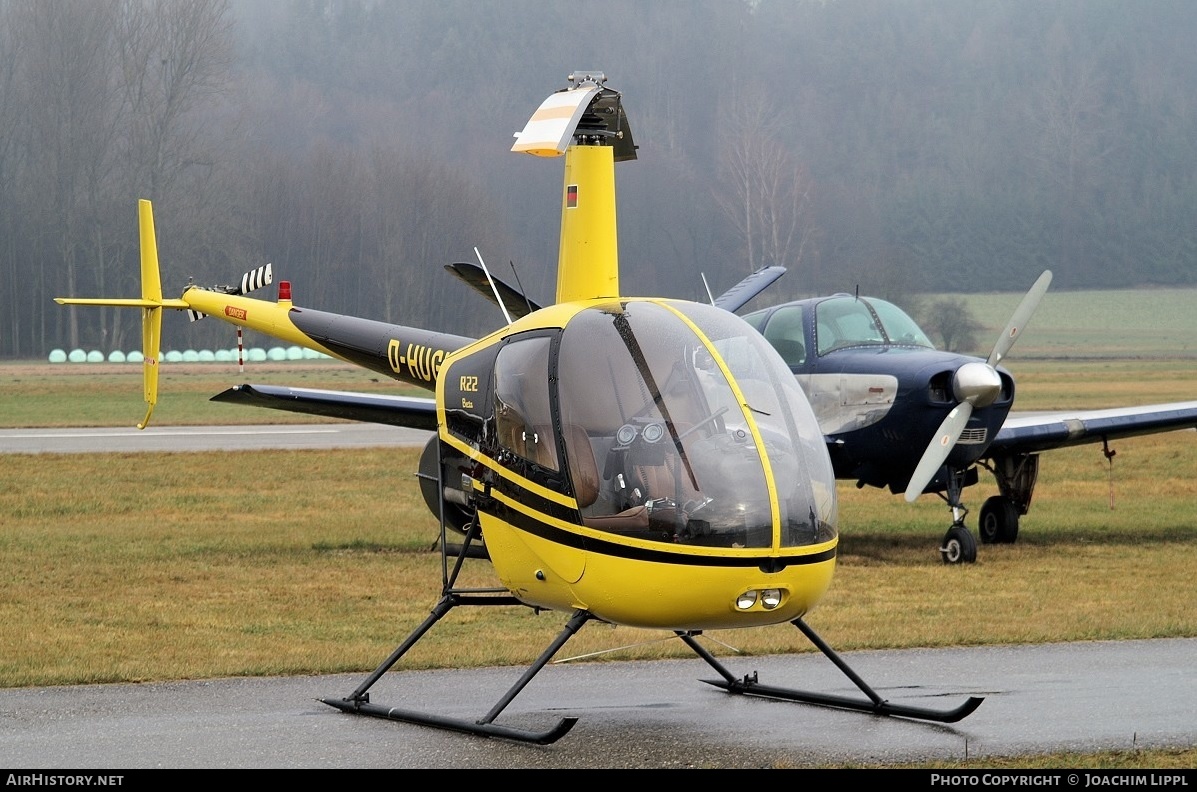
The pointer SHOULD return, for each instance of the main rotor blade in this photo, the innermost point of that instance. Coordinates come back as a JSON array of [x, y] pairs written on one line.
[[1021, 316], [938, 450]]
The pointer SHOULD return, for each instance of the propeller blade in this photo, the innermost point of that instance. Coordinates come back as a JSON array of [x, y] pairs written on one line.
[[974, 384], [1021, 316], [938, 450]]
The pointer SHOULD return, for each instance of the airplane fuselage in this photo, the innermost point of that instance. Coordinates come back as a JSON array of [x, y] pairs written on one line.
[[878, 388]]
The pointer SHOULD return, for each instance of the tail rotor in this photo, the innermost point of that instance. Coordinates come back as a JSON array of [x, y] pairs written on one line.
[[251, 281]]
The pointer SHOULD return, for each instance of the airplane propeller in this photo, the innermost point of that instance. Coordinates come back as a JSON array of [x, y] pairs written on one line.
[[974, 385]]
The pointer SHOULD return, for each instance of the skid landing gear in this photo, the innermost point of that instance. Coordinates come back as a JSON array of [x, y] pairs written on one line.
[[749, 686], [358, 702]]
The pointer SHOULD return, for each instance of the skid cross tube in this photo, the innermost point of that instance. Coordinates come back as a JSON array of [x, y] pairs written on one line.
[[359, 701], [876, 705]]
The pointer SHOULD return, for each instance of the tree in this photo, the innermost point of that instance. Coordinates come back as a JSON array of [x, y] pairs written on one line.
[[955, 323], [70, 125], [762, 191], [111, 93]]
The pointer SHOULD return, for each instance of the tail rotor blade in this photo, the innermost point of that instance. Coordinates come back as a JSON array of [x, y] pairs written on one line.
[[256, 279], [937, 452], [1022, 314]]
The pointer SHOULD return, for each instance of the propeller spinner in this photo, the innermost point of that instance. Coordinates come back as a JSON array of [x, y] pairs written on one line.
[[974, 385]]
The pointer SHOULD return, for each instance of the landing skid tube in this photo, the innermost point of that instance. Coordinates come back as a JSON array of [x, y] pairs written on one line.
[[878, 706], [358, 702]]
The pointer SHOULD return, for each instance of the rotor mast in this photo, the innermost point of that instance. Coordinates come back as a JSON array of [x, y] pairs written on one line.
[[587, 124]]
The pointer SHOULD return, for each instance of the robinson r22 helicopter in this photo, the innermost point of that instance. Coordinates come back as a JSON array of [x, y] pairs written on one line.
[[638, 461]]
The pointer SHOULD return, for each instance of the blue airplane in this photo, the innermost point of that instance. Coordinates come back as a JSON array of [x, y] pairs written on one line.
[[897, 413]]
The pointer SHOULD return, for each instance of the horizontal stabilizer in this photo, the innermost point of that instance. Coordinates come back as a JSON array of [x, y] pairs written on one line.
[[121, 302], [514, 300], [410, 411]]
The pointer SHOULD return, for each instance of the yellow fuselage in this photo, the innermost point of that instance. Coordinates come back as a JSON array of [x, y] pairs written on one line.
[[684, 589]]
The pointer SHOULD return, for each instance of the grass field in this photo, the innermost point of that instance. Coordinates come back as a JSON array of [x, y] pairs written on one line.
[[1128, 324], [128, 567]]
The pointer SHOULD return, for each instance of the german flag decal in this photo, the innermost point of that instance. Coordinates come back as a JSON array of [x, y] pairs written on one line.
[[571, 196]]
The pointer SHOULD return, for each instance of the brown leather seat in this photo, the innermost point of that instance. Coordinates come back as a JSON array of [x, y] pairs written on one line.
[[588, 485]]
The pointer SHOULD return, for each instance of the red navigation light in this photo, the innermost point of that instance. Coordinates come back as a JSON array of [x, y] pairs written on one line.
[[284, 291]]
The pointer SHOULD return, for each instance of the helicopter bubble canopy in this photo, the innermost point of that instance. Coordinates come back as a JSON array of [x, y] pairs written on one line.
[[680, 424]]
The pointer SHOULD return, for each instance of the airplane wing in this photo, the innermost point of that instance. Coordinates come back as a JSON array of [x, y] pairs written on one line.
[[409, 411], [738, 296], [1033, 432]]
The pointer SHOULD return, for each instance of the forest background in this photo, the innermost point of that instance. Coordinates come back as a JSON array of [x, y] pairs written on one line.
[[359, 146]]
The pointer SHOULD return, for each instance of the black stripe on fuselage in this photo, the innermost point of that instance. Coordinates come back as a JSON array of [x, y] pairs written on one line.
[[536, 503], [529, 523]]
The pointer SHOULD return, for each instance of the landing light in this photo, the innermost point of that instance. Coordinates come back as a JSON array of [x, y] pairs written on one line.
[[769, 599]]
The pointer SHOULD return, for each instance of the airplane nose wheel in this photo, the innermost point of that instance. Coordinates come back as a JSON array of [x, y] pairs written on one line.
[[959, 546]]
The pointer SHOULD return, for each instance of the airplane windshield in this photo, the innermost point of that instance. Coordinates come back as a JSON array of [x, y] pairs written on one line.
[[857, 321], [660, 446]]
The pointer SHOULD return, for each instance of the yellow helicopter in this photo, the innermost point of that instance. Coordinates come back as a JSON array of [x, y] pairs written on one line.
[[637, 461]]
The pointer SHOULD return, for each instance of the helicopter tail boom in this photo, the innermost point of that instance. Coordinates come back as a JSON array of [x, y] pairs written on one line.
[[408, 354]]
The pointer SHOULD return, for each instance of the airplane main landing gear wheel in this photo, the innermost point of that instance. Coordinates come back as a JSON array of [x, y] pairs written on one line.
[[959, 547], [999, 521]]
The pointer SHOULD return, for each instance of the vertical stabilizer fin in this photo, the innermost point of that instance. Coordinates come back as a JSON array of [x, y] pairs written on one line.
[[150, 303], [151, 312]]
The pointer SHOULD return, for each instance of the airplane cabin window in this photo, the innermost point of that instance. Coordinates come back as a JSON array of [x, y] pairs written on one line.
[[856, 321], [784, 331], [899, 327]]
